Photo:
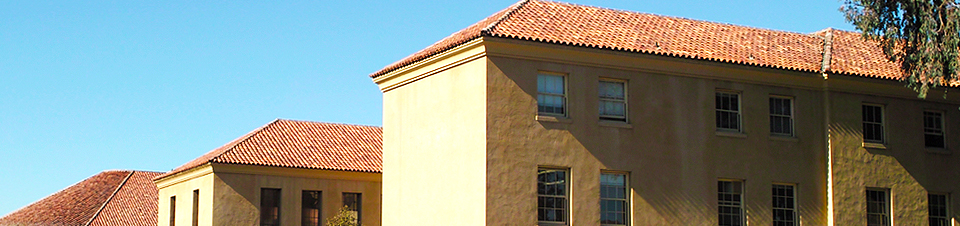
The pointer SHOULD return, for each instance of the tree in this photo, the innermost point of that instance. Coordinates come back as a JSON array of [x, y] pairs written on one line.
[[921, 35], [344, 217]]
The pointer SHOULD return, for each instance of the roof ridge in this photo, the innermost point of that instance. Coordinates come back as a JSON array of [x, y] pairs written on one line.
[[827, 58], [487, 30], [329, 123], [675, 17], [105, 202]]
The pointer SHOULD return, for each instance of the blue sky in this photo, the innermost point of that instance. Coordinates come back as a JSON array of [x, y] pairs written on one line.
[[87, 86]]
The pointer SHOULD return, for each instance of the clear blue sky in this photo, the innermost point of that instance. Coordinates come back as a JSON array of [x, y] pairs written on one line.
[[87, 86]]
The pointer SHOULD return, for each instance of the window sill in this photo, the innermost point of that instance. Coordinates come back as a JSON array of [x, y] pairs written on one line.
[[551, 118], [874, 145], [939, 151], [731, 134], [616, 124], [783, 138]]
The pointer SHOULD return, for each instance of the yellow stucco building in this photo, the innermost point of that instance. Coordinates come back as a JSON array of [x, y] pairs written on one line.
[[550, 113], [285, 173]]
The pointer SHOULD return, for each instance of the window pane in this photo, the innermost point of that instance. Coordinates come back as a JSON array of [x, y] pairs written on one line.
[[878, 212], [784, 212], [933, 129], [937, 206], [872, 124], [613, 200], [729, 198], [353, 201], [728, 111], [550, 94], [552, 201], [269, 207], [311, 203]]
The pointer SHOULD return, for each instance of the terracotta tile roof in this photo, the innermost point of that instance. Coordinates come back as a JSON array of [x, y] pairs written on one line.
[[593, 27], [301, 144], [108, 198], [617, 30]]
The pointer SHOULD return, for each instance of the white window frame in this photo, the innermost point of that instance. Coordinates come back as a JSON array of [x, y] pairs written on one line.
[[739, 111], [793, 195], [887, 206], [942, 133], [563, 97], [626, 198], [565, 196], [740, 205], [946, 207], [624, 100], [883, 121], [793, 127]]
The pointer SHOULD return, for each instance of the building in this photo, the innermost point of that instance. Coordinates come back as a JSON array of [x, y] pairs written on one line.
[[549, 113], [108, 198], [285, 173]]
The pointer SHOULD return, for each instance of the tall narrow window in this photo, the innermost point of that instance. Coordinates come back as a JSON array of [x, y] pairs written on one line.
[[613, 100], [784, 205], [872, 123], [552, 196], [173, 210], [269, 207], [311, 208], [352, 201], [730, 203], [551, 94], [878, 207], [196, 207], [781, 116], [613, 199], [933, 129], [728, 111], [937, 205]]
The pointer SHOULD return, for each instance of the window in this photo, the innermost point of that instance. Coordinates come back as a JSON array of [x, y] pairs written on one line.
[[878, 207], [781, 116], [269, 207], [173, 210], [196, 207], [352, 201], [613, 199], [784, 205], [613, 100], [937, 205], [552, 196], [933, 129], [872, 123], [310, 211], [728, 111], [551, 94], [730, 202]]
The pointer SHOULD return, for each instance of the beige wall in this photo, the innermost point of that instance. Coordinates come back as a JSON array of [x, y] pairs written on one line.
[[235, 196], [904, 165], [182, 186], [670, 147], [434, 137]]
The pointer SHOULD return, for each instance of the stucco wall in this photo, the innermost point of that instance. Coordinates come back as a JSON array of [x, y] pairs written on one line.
[[433, 149], [670, 146], [904, 165], [237, 193], [197, 179]]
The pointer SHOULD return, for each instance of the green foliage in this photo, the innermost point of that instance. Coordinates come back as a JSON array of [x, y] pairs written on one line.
[[922, 35], [344, 217]]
